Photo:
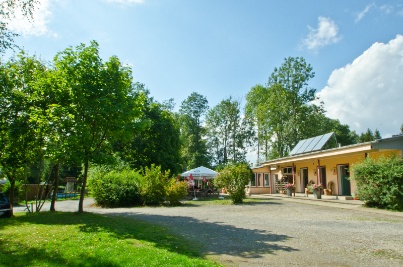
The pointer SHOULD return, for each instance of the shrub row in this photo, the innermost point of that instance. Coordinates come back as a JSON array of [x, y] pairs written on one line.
[[123, 188]]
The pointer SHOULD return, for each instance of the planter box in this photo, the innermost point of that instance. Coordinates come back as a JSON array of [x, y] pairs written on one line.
[[289, 192], [317, 194]]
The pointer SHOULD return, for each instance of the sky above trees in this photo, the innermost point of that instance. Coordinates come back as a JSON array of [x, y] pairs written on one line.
[[224, 48]]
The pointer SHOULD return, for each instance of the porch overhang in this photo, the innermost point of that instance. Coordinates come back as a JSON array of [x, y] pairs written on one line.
[[330, 153]]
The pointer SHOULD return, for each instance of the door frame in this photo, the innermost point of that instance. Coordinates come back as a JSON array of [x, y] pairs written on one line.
[[344, 185], [303, 184]]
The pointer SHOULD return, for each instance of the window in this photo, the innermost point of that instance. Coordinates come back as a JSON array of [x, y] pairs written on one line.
[[266, 179], [259, 176], [253, 180], [288, 170]]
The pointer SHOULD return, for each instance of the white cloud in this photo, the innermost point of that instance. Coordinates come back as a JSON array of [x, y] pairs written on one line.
[[326, 33], [368, 92], [129, 2], [36, 26], [387, 9], [383, 9], [362, 14]]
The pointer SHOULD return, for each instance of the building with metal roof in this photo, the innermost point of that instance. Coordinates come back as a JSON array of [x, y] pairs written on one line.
[[310, 162]]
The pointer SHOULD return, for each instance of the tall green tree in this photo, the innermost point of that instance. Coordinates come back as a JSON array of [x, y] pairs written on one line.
[[377, 134], [20, 140], [7, 13], [369, 136], [293, 75], [191, 114], [322, 124], [255, 114], [283, 109], [102, 103], [52, 112], [227, 132], [156, 142]]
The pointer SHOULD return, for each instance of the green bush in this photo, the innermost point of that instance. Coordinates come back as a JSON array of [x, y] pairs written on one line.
[[380, 183], [175, 191], [153, 185], [124, 187], [234, 178], [115, 188], [18, 192]]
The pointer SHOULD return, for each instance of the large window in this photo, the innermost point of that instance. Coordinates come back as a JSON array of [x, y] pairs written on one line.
[[260, 180], [253, 180], [266, 179], [288, 170]]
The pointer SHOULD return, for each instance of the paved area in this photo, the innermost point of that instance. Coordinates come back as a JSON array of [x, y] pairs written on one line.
[[275, 230], [331, 201]]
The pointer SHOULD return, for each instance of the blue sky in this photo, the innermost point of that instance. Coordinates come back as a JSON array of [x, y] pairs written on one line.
[[222, 48]]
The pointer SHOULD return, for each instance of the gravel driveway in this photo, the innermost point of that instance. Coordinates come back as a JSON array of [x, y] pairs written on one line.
[[279, 232]]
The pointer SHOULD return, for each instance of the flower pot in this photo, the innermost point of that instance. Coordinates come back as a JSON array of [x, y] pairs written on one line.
[[289, 192], [317, 194]]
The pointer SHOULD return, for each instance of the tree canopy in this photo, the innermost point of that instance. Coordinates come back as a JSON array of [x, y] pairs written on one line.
[[102, 102], [19, 137], [7, 12], [156, 140], [227, 132], [191, 114], [284, 111]]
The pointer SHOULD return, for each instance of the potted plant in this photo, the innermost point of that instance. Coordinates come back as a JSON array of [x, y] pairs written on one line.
[[355, 196], [317, 190], [290, 188]]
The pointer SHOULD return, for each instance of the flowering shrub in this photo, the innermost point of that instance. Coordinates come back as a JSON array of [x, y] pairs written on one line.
[[153, 185], [175, 191], [234, 178], [317, 186], [290, 186]]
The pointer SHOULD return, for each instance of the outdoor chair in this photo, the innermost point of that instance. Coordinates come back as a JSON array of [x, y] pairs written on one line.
[[212, 191], [328, 190], [307, 188]]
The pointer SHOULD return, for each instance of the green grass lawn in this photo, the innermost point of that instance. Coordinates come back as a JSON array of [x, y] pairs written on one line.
[[73, 239]]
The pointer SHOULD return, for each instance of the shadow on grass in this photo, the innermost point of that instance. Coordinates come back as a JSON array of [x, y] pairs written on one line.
[[31, 256]]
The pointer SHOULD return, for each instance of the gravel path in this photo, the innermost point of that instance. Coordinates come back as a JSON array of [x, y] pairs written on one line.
[[279, 232]]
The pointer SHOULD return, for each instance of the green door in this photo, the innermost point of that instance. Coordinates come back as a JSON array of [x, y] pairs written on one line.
[[345, 182]]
